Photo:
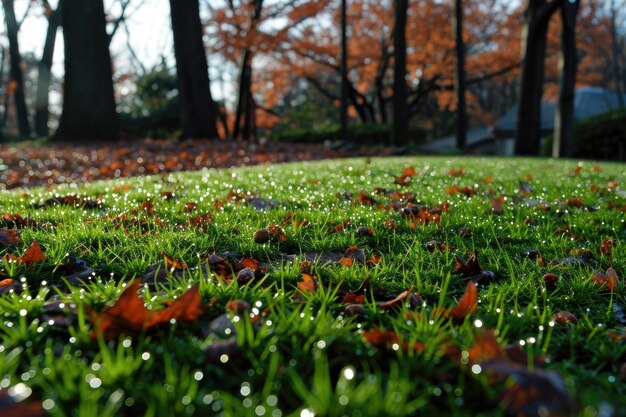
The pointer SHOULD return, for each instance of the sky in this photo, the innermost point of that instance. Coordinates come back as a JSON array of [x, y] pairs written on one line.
[[149, 34], [148, 22]]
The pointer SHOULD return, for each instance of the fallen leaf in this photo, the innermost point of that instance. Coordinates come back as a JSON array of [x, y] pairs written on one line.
[[9, 237], [32, 255], [608, 280], [467, 305], [364, 231], [434, 244], [564, 317], [130, 316], [365, 199], [238, 306], [308, 284], [355, 310], [456, 172], [550, 281], [407, 297], [470, 268], [606, 248], [497, 205]]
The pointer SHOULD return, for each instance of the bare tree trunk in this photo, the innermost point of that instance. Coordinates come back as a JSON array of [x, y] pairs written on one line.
[[44, 72], [399, 123], [16, 74], [615, 57], [461, 112], [88, 100], [536, 19], [245, 102], [380, 77], [563, 144], [198, 111], [343, 71], [243, 99]]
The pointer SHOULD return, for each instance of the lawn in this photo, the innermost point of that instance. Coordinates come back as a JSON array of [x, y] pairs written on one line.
[[359, 287]]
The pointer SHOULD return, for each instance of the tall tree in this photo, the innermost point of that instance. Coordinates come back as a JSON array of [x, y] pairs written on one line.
[[88, 101], [198, 112], [616, 56], [244, 116], [461, 108], [399, 120], [534, 35], [16, 79], [44, 76], [343, 69], [563, 144]]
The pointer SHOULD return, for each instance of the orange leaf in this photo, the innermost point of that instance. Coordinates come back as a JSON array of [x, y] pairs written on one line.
[[610, 279], [129, 315], [308, 284], [32, 255], [7, 282], [379, 338], [184, 308], [172, 263], [353, 298], [467, 305]]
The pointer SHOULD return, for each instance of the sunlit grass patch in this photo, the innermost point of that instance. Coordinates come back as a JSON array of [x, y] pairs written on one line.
[[325, 288]]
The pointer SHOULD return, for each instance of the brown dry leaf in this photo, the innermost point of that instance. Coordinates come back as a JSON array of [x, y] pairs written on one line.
[[469, 269], [390, 340], [238, 306], [32, 255], [365, 199], [574, 202], [606, 248], [550, 281], [130, 316], [148, 207], [532, 392], [406, 176], [373, 260], [497, 205], [564, 317], [200, 220], [9, 237], [276, 233], [434, 244], [467, 305], [353, 298], [456, 172], [405, 297], [381, 339], [172, 264], [609, 280]]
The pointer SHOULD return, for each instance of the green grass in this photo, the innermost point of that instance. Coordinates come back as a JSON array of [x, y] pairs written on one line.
[[299, 353]]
